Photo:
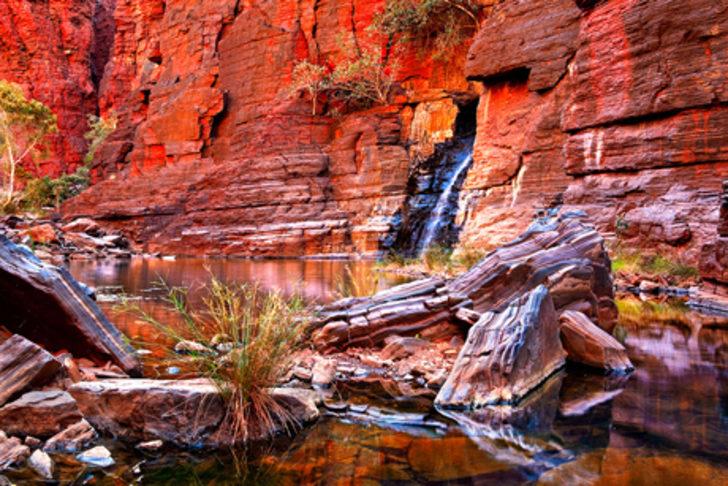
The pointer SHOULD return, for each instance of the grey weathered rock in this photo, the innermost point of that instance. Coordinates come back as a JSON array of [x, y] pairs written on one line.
[[506, 354], [72, 439], [586, 343], [40, 413], [41, 463], [23, 364], [323, 372], [45, 304]]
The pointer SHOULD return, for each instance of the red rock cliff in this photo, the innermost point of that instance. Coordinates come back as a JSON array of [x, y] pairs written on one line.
[[617, 107]]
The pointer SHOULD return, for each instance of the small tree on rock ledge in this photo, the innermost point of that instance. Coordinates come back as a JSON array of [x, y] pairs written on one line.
[[24, 124]]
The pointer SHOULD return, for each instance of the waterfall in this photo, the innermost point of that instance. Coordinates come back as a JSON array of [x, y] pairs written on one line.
[[434, 223]]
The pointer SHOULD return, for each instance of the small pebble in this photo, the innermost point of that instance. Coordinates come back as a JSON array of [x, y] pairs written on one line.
[[98, 456]]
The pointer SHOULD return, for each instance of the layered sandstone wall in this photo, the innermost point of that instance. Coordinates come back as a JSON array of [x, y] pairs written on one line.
[[213, 154], [618, 108]]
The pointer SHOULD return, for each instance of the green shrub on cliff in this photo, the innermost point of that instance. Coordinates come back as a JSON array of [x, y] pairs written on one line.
[[439, 24], [99, 130], [44, 192], [248, 337], [24, 124]]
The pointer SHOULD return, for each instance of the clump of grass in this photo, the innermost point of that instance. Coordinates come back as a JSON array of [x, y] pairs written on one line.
[[261, 330], [634, 262], [438, 259], [634, 312], [362, 281], [467, 257]]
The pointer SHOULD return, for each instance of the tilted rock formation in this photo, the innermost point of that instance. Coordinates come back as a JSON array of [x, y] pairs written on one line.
[[564, 254], [586, 343], [714, 256], [506, 355], [23, 364], [46, 305]]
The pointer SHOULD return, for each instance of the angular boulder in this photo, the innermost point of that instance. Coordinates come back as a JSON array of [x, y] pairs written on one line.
[[40, 414], [587, 344], [45, 304], [187, 413], [12, 451], [23, 364], [506, 354]]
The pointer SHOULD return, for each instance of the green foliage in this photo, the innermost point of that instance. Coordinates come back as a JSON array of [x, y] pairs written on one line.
[[263, 329], [312, 78], [44, 192], [438, 259], [636, 263], [24, 124], [443, 24], [99, 130], [467, 257]]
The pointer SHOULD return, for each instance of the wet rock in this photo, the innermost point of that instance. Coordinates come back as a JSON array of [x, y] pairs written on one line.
[[23, 364], [40, 413], [506, 354], [41, 463], [98, 456], [586, 343], [32, 442], [81, 225], [72, 439], [46, 305], [150, 446], [12, 452]]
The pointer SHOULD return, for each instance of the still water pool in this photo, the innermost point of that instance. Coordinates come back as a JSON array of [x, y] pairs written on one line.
[[666, 424]]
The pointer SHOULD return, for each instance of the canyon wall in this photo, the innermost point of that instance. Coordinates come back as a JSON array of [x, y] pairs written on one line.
[[48, 48], [616, 107]]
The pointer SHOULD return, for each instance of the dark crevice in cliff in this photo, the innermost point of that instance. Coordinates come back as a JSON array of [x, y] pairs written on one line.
[[104, 27], [427, 217], [519, 75]]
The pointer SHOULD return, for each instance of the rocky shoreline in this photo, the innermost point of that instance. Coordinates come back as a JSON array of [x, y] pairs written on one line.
[[492, 336]]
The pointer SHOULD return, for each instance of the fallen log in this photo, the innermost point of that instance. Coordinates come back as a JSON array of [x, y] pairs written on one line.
[[564, 254], [45, 304], [506, 354]]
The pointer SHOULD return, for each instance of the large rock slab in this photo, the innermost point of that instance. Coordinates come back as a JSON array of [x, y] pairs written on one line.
[[45, 304], [188, 413], [23, 364], [565, 254], [40, 414], [586, 343], [506, 354]]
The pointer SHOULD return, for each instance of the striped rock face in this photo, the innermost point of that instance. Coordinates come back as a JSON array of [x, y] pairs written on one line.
[[23, 364], [46, 305]]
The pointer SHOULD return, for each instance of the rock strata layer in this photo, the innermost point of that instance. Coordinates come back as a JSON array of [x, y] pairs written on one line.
[[41, 414], [23, 364]]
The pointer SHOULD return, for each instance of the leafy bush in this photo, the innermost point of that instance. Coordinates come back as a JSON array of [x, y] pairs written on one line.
[[99, 130], [44, 192], [24, 124], [438, 259], [442, 23], [262, 330]]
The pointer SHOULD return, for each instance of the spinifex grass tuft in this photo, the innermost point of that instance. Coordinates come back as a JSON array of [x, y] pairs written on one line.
[[362, 281], [250, 336]]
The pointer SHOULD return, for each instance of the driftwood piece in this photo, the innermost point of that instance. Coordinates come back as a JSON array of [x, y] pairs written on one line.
[[564, 254], [586, 343], [23, 364], [506, 354], [45, 304]]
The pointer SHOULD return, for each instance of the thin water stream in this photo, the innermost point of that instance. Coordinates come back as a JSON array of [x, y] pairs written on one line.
[[666, 424]]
